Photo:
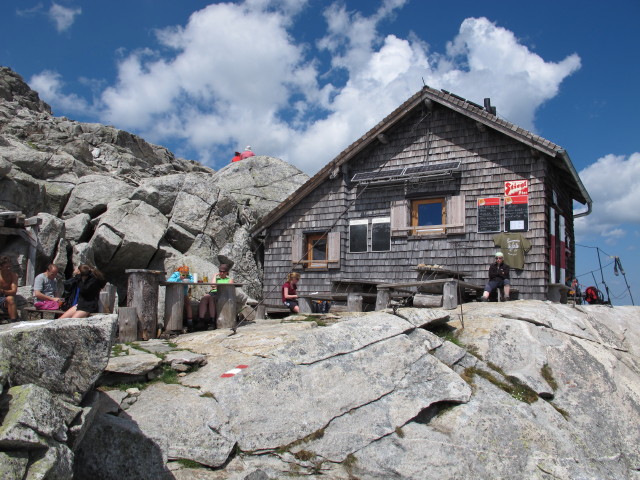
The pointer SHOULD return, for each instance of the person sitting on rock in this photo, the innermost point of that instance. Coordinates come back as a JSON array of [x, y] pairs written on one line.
[[208, 302], [290, 292], [45, 286], [182, 275], [498, 277], [247, 153], [8, 288], [90, 282]]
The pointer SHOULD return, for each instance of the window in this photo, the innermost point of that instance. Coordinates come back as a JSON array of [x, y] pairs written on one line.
[[315, 250], [380, 235], [443, 215], [429, 215], [358, 235]]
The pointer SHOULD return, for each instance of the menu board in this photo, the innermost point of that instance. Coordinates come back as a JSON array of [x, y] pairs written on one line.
[[516, 213], [489, 215]]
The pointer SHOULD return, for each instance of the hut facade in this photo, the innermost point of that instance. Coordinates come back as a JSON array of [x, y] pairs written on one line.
[[441, 181]]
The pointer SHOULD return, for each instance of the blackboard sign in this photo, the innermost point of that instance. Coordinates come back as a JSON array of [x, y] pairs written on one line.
[[488, 215], [516, 213]]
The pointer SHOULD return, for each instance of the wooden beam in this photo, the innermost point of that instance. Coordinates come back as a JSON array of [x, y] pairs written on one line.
[[31, 221]]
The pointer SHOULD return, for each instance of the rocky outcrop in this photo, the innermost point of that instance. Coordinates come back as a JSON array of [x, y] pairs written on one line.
[[47, 370], [527, 389], [109, 198]]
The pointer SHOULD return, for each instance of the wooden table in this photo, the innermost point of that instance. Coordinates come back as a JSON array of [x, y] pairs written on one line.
[[433, 273], [226, 308]]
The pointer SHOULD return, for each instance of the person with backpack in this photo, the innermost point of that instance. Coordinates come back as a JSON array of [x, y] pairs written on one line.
[[90, 282]]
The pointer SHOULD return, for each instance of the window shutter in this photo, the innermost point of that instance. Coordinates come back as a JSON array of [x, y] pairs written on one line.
[[333, 240], [297, 244], [456, 214], [399, 217]]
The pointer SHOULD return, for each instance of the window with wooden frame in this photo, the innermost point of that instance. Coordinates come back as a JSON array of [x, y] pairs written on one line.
[[428, 216], [316, 250]]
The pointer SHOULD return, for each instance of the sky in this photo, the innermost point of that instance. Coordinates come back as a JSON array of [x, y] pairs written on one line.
[[302, 79]]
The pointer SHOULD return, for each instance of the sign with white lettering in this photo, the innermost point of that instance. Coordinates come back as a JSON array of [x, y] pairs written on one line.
[[516, 187], [516, 213], [488, 215]]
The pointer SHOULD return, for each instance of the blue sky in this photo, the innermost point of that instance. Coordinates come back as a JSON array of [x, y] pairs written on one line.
[[301, 80]]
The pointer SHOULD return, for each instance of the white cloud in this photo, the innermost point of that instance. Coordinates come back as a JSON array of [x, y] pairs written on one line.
[[236, 76], [63, 17], [49, 86], [612, 182]]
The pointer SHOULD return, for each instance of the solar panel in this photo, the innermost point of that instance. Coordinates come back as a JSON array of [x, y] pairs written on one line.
[[359, 177], [432, 168]]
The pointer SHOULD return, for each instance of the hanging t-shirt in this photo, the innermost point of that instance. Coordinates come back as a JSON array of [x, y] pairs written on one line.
[[513, 246]]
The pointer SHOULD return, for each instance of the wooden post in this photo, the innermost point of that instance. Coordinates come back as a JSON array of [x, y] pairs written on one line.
[[127, 324], [109, 292], [354, 302], [143, 288], [305, 305], [227, 308], [103, 302], [450, 295], [261, 312], [174, 307], [382, 300]]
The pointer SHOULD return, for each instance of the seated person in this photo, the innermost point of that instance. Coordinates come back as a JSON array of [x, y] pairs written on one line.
[[208, 302], [498, 277], [182, 275], [45, 286], [8, 288], [90, 283], [290, 292]]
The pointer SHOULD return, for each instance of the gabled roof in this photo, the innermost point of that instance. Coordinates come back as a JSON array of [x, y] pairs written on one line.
[[465, 107]]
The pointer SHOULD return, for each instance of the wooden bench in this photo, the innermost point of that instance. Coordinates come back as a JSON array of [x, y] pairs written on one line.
[[34, 311]]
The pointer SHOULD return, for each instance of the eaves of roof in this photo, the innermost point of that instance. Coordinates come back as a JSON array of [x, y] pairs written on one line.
[[454, 102]]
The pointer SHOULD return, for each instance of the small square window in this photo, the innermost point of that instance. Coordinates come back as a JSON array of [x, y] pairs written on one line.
[[428, 216]]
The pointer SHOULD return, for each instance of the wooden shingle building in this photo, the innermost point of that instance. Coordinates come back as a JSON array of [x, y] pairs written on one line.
[[440, 181]]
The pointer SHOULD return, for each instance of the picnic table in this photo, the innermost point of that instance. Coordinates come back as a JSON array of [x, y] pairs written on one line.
[[174, 301]]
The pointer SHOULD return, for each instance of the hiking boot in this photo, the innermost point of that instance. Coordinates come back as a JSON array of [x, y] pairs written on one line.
[[507, 299], [484, 299]]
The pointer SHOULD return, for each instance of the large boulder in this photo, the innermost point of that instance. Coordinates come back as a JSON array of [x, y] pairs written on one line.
[[246, 182], [116, 448], [50, 231], [93, 193], [140, 228], [66, 357]]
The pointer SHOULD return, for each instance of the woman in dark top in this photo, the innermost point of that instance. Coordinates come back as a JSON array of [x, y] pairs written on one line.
[[90, 282]]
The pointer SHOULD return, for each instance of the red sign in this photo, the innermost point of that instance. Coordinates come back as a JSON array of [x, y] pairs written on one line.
[[488, 201], [516, 200], [516, 187]]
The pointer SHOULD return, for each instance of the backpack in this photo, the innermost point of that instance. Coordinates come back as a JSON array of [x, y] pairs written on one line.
[[593, 296], [70, 293]]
